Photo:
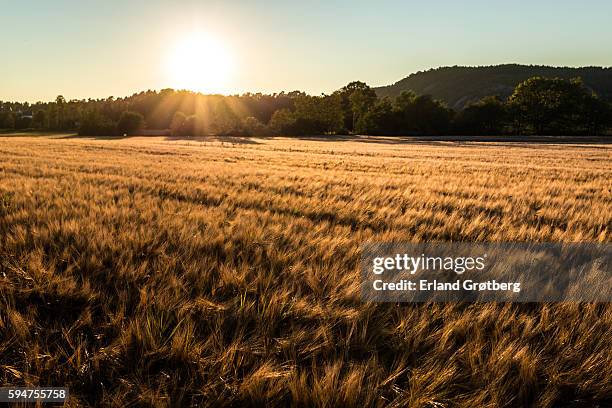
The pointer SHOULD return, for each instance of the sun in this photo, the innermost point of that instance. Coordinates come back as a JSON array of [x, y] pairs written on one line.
[[201, 63]]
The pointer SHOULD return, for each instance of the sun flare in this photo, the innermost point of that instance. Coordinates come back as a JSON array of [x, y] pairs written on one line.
[[200, 62]]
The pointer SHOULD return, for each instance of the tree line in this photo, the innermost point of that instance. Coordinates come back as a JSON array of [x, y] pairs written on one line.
[[539, 106], [458, 86]]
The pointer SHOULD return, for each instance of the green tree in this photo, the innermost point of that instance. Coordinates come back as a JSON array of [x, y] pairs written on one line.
[[332, 115], [421, 114], [177, 123], [405, 112], [60, 103], [485, 117], [9, 121], [23, 122], [40, 119], [548, 105], [193, 126], [317, 114], [380, 119], [52, 117], [361, 103], [225, 119], [93, 123], [361, 100], [596, 115], [251, 126], [282, 122], [130, 123]]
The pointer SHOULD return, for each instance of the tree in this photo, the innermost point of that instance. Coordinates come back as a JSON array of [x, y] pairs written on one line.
[[405, 113], [40, 119], [332, 115], [486, 116], [361, 101], [537, 106], [596, 115], [308, 120], [60, 101], [548, 105], [178, 121], [192, 126], [433, 117], [225, 120], [130, 123], [253, 127], [8, 121], [52, 117], [351, 110], [421, 114], [380, 119], [23, 122], [317, 114], [282, 122], [93, 123]]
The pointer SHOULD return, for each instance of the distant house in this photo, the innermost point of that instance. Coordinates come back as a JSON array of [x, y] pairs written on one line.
[[22, 115]]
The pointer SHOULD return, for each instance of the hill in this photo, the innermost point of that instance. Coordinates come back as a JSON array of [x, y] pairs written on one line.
[[458, 86]]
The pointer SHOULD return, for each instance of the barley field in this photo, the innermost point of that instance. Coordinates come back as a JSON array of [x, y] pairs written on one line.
[[225, 272]]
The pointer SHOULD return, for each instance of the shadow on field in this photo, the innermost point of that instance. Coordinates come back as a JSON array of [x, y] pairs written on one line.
[[76, 136], [459, 139], [391, 140], [31, 132], [224, 139]]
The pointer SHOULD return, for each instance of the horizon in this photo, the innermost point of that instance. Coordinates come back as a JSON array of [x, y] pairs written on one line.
[[136, 92], [86, 51]]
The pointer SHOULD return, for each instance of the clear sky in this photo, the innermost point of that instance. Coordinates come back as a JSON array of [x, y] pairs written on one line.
[[96, 49]]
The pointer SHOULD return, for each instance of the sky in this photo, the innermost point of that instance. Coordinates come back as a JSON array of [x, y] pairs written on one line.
[[96, 49]]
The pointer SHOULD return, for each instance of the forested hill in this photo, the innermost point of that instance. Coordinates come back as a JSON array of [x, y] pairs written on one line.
[[458, 86]]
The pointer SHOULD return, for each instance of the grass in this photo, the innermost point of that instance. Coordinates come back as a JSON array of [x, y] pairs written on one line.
[[155, 272]]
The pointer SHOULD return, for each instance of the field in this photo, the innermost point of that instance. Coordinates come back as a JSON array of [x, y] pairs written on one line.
[[224, 272]]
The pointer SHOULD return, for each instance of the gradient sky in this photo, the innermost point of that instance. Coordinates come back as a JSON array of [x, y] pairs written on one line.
[[96, 49]]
